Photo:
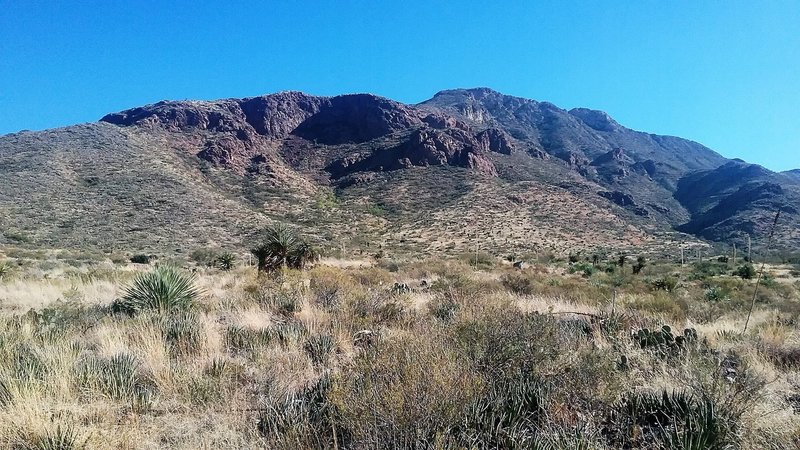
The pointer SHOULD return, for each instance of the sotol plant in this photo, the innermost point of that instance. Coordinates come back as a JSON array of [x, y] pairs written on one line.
[[165, 288], [282, 248]]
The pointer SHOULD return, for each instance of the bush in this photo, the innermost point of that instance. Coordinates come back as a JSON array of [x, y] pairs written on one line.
[[518, 283], [641, 262], [165, 288], [204, 256], [746, 272], [702, 270], [403, 394], [715, 294], [664, 284], [585, 268], [140, 259]]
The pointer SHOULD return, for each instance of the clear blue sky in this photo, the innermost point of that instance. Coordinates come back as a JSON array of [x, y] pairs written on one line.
[[724, 73]]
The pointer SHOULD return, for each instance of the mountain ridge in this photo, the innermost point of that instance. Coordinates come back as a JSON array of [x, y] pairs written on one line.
[[274, 155]]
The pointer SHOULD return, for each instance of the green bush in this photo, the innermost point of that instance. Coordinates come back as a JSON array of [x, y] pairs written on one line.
[[746, 271], [140, 259], [702, 270], [715, 294], [164, 288], [204, 256], [585, 268], [664, 284]]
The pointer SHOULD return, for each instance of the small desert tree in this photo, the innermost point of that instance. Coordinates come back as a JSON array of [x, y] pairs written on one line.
[[281, 248], [641, 261]]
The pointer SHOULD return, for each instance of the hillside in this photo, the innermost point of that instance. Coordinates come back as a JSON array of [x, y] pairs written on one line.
[[465, 170]]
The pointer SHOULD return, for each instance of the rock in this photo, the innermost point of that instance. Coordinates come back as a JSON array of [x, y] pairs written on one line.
[[495, 140]]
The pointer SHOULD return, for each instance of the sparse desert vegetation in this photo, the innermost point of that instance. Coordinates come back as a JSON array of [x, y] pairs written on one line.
[[397, 354]]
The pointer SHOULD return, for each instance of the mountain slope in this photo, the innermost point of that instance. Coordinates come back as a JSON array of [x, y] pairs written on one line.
[[468, 168]]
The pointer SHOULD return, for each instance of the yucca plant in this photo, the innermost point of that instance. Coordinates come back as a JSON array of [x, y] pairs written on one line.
[[62, 438], [282, 248], [165, 288], [226, 261], [5, 269]]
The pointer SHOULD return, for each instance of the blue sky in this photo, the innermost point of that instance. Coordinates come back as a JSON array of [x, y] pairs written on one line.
[[726, 74]]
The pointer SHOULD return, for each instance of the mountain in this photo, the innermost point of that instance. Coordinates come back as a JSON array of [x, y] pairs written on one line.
[[793, 173], [467, 168]]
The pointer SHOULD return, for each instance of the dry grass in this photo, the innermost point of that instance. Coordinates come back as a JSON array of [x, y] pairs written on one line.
[[253, 362]]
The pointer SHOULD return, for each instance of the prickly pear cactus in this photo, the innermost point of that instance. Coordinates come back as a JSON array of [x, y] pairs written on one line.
[[663, 341]]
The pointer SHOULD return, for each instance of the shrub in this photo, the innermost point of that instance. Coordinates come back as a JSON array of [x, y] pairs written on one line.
[[140, 259], [509, 344], [204, 256], [745, 271], [518, 283], [664, 284], [715, 294], [641, 262], [585, 268], [165, 288], [702, 270], [403, 394]]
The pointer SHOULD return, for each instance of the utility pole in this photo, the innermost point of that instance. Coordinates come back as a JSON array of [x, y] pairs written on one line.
[[734, 254]]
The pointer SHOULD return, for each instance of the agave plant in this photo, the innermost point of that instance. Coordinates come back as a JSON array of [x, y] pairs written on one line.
[[165, 288], [282, 248]]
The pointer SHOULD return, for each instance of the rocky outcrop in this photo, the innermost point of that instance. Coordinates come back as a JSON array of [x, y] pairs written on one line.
[[425, 147], [357, 118], [624, 200], [495, 140]]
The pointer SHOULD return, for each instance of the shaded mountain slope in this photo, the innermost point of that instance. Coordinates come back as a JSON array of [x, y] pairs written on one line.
[[739, 198]]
